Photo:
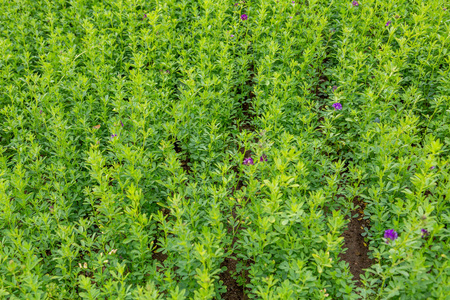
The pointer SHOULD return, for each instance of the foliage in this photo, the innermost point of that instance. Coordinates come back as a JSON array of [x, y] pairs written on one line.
[[125, 126]]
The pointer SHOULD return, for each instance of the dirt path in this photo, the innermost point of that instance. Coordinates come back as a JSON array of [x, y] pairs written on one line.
[[357, 251]]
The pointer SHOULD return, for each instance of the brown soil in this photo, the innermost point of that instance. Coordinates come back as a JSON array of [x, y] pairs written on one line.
[[234, 291], [159, 256], [357, 250], [184, 162], [156, 255]]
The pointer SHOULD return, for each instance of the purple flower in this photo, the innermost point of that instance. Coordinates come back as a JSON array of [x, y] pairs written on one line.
[[40, 111], [355, 3], [424, 232], [390, 234], [337, 106], [263, 158], [232, 35], [432, 167], [388, 23], [113, 136], [334, 88], [121, 123], [145, 16], [244, 17], [248, 161]]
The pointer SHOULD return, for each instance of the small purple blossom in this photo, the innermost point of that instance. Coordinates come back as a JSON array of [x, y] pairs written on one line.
[[432, 167], [113, 136], [263, 158], [244, 17], [232, 35], [334, 88], [145, 16], [40, 111], [121, 123], [248, 161], [390, 234], [355, 3], [388, 23], [424, 232], [337, 106]]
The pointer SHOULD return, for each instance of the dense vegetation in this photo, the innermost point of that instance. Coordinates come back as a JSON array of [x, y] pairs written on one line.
[[188, 149]]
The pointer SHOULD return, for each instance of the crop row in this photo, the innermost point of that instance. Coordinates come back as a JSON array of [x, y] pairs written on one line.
[[188, 149]]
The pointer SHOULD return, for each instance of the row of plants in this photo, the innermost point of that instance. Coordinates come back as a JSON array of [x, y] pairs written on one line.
[[144, 143], [391, 75], [291, 236]]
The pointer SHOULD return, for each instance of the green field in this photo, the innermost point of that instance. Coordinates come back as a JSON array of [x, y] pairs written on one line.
[[213, 149]]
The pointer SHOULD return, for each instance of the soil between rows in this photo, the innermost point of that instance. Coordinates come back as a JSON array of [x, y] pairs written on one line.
[[357, 251], [234, 290]]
